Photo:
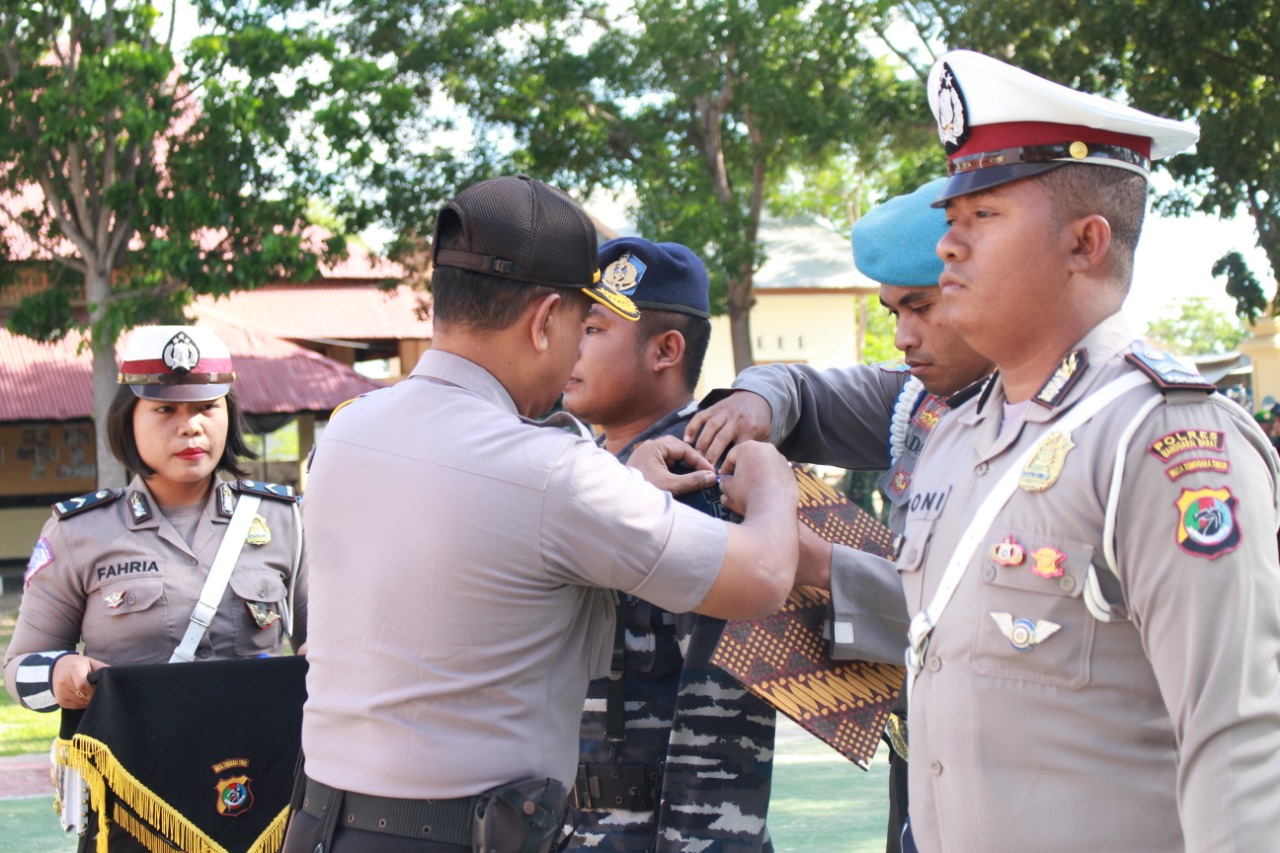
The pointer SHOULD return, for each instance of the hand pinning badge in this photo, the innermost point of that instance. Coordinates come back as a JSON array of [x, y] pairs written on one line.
[[1023, 633]]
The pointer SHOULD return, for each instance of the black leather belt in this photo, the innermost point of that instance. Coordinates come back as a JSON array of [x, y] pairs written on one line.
[[441, 821], [624, 785]]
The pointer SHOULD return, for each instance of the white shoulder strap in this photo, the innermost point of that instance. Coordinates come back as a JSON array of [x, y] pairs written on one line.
[[922, 623], [219, 576]]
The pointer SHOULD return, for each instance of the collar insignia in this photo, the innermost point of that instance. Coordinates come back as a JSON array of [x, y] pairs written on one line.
[[226, 501], [1042, 469], [1064, 378], [138, 507], [624, 274], [181, 354], [1023, 634]]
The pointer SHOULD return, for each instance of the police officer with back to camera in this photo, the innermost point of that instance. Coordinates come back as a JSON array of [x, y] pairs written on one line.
[[178, 566], [866, 417], [466, 553], [1090, 547], [674, 753]]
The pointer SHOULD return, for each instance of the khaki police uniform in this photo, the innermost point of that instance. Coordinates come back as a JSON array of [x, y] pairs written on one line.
[[111, 571], [1105, 676], [468, 555]]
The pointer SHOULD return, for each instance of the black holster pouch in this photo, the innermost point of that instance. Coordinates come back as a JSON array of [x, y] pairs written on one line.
[[523, 817]]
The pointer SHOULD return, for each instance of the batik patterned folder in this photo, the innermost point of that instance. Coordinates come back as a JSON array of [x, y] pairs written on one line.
[[783, 658]]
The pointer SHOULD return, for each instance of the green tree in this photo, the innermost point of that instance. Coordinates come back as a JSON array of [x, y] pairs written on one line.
[[1193, 327], [143, 180], [1217, 63], [701, 106]]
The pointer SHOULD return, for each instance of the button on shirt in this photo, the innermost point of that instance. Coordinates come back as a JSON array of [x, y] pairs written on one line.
[[465, 556]]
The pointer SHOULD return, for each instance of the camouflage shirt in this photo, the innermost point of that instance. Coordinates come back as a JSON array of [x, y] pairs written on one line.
[[712, 740]]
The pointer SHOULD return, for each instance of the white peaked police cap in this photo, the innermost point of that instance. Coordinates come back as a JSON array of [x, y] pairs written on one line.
[[181, 364], [999, 124]]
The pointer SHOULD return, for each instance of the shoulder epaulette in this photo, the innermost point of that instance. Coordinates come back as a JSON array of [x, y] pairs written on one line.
[[1167, 372], [73, 506], [266, 490]]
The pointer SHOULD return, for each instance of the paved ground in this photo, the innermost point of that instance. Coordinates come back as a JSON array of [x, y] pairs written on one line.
[[24, 776]]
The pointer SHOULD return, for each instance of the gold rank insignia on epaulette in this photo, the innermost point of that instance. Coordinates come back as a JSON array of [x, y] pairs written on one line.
[[73, 506], [1167, 372]]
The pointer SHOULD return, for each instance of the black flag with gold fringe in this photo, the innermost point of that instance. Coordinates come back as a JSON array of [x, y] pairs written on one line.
[[196, 757], [784, 658]]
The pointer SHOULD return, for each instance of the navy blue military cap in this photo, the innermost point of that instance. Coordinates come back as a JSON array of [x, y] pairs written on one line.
[[894, 242], [658, 276]]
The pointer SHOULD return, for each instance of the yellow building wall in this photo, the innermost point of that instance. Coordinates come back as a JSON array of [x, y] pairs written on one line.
[[1263, 348], [820, 329]]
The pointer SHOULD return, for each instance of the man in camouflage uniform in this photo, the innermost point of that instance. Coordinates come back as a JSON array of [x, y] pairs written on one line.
[[675, 755], [866, 417]]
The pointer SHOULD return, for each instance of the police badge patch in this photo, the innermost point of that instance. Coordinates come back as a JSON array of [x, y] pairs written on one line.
[[1207, 522], [234, 796], [41, 556]]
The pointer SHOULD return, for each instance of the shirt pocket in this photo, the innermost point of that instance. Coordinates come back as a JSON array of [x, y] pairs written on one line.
[[128, 622], [911, 554], [259, 597], [1033, 625]]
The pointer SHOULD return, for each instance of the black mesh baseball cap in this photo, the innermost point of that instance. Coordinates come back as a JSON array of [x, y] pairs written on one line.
[[517, 228]]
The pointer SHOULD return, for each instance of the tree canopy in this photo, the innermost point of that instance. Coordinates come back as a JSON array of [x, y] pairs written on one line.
[[702, 107], [141, 180], [1193, 327]]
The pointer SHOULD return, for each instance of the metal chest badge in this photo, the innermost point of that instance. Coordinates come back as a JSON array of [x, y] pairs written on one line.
[[114, 599], [263, 615], [1023, 634], [1043, 468], [259, 533], [1008, 552], [1048, 562]]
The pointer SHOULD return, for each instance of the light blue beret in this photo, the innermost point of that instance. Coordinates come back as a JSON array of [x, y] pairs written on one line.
[[894, 242]]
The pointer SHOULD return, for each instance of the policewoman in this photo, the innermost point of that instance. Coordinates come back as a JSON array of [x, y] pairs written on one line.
[[1090, 553], [127, 571]]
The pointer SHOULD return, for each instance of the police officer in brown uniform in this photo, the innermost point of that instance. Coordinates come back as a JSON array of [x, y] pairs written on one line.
[[124, 571], [866, 417], [1090, 551], [467, 553]]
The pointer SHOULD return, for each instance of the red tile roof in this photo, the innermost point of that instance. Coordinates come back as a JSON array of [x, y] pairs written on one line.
[[54, 381], [332, 310]]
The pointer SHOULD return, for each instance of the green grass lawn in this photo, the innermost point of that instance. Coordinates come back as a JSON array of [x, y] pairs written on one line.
[[21, 731]]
